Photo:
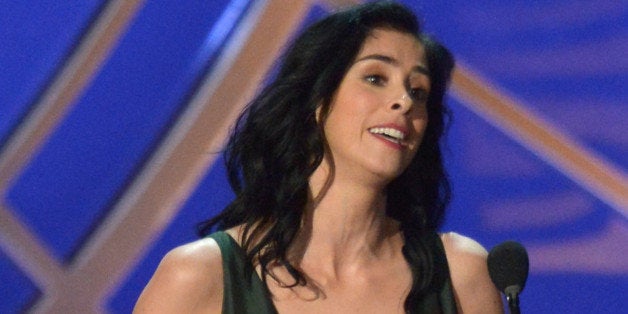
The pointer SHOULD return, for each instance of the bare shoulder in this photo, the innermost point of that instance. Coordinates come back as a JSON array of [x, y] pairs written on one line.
[[473, 289], [457, 244], [187, 280]]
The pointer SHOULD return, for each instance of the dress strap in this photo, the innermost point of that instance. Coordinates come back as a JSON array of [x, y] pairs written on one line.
[[241, 293], [446, 293]]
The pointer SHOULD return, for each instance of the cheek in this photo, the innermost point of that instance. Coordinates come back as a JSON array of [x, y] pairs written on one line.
[[419, 123], [350, 109]]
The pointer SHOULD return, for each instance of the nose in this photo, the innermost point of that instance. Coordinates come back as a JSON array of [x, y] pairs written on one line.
[[401, 103]]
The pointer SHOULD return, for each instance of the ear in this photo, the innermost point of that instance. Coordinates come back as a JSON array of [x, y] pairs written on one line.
[[321, 112], [318, 113]]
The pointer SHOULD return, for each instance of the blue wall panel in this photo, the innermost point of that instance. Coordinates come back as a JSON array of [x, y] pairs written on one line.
[[35, 41], [111, 130], [17, 290], [564, 59], [36, 38]]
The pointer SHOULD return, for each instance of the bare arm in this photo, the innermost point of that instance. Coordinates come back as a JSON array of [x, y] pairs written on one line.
[[473, 289], [188, 280]]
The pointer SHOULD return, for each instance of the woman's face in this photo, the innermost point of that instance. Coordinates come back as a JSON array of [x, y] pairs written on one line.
[[378, 115]]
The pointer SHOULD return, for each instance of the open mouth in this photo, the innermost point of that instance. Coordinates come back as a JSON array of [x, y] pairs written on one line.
[[389, 134]]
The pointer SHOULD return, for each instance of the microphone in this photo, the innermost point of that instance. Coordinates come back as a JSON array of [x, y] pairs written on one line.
[[508, 267]]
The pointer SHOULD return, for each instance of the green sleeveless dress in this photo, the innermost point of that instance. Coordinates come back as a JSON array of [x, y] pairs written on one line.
[[244, 295]]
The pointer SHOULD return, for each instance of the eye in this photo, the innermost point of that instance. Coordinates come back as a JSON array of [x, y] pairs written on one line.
[[375, 79], [419, 94]]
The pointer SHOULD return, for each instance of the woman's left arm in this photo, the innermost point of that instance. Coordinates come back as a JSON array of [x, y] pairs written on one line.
[[473, 289]]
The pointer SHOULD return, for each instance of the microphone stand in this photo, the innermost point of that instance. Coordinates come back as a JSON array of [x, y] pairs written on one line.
[[512, 296]]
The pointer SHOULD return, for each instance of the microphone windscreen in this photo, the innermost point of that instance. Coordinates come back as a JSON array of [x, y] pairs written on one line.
[[508, 265]]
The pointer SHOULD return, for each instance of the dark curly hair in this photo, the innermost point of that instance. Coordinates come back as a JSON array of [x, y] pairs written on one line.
[[277, 144]]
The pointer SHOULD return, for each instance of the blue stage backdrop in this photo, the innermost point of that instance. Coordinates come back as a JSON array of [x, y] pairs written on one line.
[[113, 113]]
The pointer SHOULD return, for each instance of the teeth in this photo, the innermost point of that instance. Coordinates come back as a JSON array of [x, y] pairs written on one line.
[[394, 133]]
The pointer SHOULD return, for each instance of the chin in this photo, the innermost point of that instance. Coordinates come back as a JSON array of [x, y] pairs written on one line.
[[390, 170], [388, 175]]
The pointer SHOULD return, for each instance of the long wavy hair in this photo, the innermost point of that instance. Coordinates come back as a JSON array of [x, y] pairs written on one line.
[[277, 144]]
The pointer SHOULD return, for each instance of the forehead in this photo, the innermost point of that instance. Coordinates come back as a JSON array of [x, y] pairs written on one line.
[[404, 47]]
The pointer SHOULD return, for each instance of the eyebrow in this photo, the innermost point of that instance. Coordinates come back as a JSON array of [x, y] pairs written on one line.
[[390, 60]]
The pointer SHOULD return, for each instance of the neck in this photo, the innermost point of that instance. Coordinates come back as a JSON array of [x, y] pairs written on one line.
[[345, 225]]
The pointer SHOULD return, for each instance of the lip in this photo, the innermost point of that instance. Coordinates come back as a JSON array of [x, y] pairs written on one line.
[[398, 146]]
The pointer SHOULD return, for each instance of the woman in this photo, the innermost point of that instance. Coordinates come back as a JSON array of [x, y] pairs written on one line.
[[340, 187]]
